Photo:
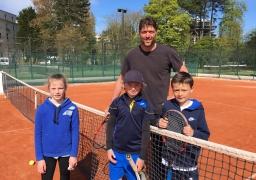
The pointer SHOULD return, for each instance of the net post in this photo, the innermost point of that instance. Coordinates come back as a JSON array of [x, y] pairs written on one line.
[[35, 99], [1, 83]]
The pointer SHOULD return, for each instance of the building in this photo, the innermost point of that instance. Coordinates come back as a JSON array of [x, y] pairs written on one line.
[[8, 30], [204, 27]]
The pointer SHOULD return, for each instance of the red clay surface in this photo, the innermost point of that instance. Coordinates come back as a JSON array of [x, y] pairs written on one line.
[[230, 107]]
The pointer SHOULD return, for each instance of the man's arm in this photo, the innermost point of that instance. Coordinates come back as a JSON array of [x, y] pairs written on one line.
[[118, 87], [183, 68], [117, 91]]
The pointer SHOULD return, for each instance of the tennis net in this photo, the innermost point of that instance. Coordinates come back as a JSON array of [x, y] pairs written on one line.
[[215, 161]]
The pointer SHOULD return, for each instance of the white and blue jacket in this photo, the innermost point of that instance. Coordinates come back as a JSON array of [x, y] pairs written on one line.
[[196, 119], [56, 130]]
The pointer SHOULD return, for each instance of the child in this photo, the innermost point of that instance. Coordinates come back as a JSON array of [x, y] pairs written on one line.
[[128, 129], [56, 131], [184, 166]]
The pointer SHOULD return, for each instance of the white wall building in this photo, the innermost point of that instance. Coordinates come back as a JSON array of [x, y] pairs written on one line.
[[8, 30]]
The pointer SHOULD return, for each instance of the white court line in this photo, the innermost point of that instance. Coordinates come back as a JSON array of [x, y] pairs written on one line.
[[229, 105], [14, 130], [247, 86]]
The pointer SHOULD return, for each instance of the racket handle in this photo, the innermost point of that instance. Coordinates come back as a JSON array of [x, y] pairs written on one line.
[[129, 158], [133, 165]]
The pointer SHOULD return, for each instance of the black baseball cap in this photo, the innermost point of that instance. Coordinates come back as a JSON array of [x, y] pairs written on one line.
[[133, 76]]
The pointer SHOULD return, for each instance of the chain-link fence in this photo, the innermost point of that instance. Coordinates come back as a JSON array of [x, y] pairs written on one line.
[[35, 59], [234, 60]]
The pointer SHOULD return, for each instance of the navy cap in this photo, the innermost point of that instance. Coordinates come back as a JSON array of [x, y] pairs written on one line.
[[133, 76]]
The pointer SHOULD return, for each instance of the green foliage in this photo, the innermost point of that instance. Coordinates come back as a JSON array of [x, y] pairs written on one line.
[[250, 37], [24, 18], [205, 43], [113, 34], [25, 30], [75, 12], [230, 27], [173, 22], [193, 7]]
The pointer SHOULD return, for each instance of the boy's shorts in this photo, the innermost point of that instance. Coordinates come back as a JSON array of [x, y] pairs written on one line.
[[122, 167]]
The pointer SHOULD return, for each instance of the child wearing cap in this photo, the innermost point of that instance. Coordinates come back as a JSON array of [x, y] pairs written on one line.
[[128, 129]]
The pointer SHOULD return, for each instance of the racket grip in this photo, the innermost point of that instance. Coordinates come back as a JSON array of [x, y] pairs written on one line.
[[133, 165]]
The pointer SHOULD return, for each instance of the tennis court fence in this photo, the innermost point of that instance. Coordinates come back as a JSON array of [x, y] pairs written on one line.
[[215, 161]]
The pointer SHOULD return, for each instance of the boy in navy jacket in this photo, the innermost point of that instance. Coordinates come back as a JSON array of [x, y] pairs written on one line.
[[184, 166], [128, 129]]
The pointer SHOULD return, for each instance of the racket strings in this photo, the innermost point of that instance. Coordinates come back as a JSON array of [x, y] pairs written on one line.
[[176, 124], [175, 145]]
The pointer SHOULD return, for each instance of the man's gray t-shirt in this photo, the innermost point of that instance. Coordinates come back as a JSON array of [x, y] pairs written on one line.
[[155, 66]]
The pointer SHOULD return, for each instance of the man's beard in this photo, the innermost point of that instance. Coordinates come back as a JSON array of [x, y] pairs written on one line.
[[150, 45]]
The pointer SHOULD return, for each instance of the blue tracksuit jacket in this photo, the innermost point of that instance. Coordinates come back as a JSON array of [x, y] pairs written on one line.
[[59, 138], [196, 119], [128, 127]]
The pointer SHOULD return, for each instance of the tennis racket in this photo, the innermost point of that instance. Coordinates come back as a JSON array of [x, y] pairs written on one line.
[[176, 122], [99, 138], [139, 175]]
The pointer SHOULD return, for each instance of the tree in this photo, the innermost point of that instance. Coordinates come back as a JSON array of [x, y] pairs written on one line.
[[173, 22], [75, 13], [203, 11], [230, 27], [199, 12], [68, 25], [54, 15], [216, 6], [25, 30], [26, 34], [250, 37], [113, 33], [44, 19]]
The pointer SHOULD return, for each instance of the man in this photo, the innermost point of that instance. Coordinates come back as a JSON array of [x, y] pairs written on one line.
[[155, 62]]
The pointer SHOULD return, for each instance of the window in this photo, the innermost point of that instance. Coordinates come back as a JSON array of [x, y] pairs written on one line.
[[12, 18], [5, 17], [13, 27], [0, 35], [7, 37]]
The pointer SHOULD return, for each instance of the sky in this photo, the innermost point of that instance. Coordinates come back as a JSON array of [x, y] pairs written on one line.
[[101, 8]]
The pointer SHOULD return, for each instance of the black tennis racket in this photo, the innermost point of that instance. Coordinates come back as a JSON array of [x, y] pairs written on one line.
[[176, 122], [99, 138]]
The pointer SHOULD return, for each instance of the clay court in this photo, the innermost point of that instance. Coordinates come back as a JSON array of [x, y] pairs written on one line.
[[230, 107]]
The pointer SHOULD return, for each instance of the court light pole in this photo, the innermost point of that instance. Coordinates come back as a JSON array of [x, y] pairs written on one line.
[[122, 43]]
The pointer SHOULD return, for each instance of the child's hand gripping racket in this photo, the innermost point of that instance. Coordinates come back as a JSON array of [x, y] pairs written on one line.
[[99, 138], [139, 175], [176, 122]]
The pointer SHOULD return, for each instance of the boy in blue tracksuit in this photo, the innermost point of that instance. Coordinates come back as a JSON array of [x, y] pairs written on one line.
[[128, 129], [184, 166], [56, 131]]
